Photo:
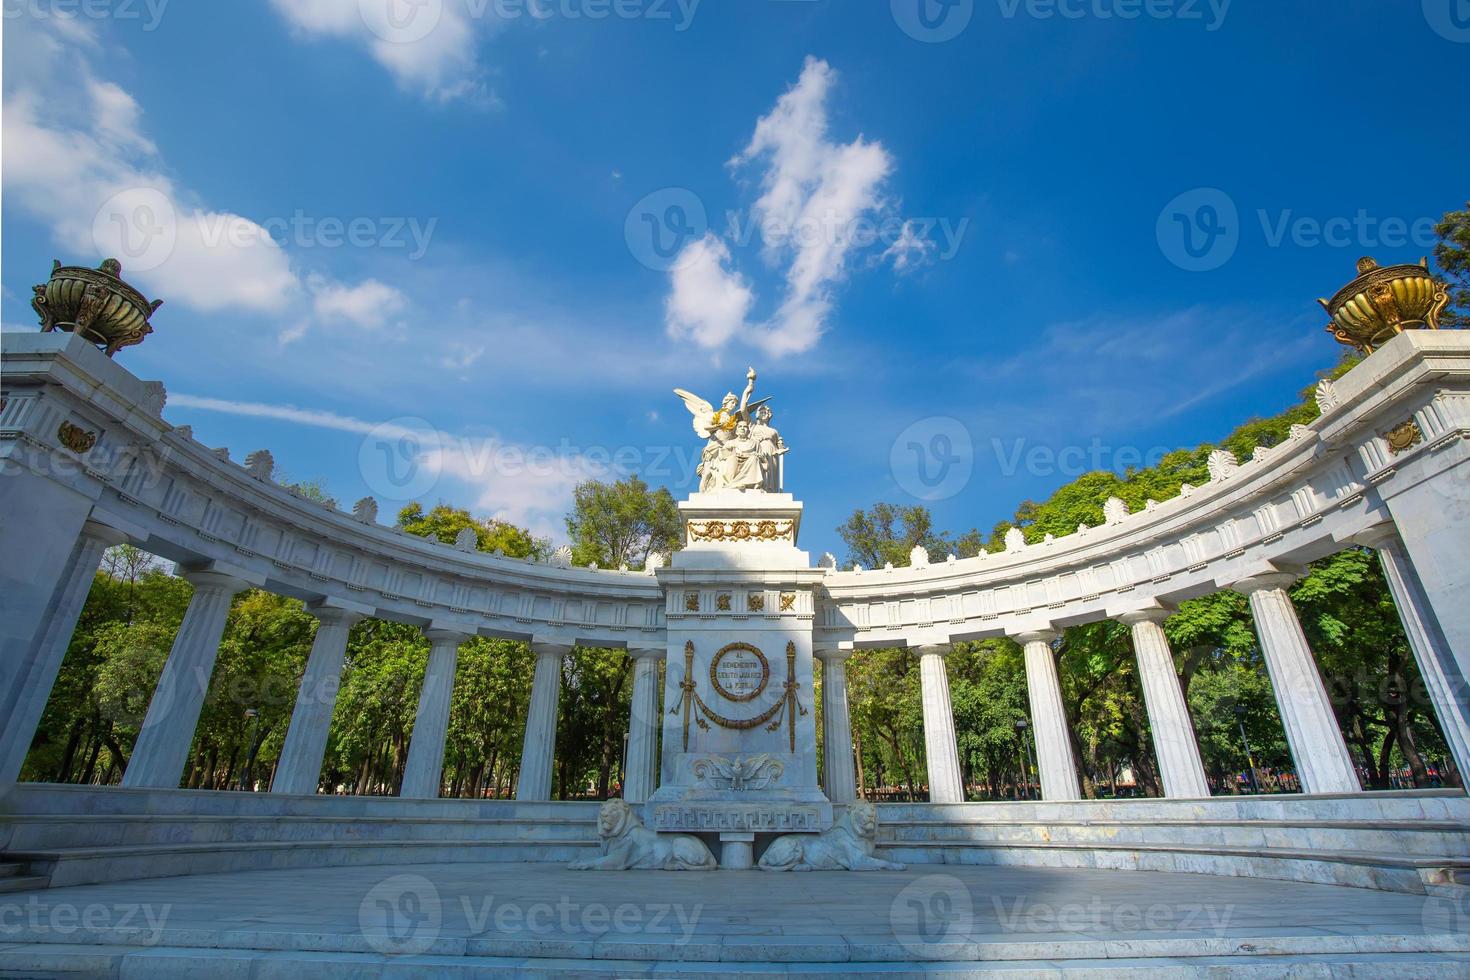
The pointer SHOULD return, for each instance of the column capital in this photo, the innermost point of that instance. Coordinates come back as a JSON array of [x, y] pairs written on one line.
[[1047, 636], [1378, 538], [109, 536], [336, 612], [443, 634], [933, 649], [1265, 582], [833, 654], [644, 653], [546, 648], [1151, 614], [208, 578]]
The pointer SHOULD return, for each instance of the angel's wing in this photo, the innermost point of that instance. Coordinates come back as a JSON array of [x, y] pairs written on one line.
[[703, 412]]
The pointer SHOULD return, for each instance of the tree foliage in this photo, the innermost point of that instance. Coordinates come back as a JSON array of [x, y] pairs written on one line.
[[622, 523]]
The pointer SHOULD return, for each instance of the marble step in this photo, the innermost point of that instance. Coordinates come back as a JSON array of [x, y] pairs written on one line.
[[35, 831], [1432, 838], [1393, 871], [62, 867]]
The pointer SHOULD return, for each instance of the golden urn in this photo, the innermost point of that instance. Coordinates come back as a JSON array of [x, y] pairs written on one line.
[[96, 304], [1383, 302]]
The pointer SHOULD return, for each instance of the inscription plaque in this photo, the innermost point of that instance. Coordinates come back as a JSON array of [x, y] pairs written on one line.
[[740, 672]]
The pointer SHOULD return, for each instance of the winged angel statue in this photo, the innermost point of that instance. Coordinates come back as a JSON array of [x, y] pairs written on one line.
[[743, 452]]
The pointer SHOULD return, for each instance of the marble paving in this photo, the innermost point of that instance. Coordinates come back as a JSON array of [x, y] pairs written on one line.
[[431, 920]]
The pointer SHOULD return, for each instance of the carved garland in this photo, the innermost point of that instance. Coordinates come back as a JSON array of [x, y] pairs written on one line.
[[785, 710], [741, 530]]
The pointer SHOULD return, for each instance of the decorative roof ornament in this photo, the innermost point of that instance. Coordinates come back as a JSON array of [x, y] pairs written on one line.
[[1383, 302], [467, 540], [655, 561], [561, 557], [1221, 463], [1015, 540], [260, 464], [1115, 511], [919, 557], [95, 304], [366, 510]]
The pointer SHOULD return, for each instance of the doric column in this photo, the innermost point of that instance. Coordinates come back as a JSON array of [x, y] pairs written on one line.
[[940, 749], [162, 749], [1447, 688], [300, 768], [1054, 757], [641, 778], [540, 747], [1317, 748], [25, 684], [425, 766], [1175, 744], [840, 776]]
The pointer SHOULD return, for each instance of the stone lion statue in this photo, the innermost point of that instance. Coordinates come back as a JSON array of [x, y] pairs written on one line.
[[848, 846], [627, 845]]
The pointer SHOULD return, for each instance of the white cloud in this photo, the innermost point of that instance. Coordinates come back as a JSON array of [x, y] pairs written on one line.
[[370, 304], [816, 197], [530, 486], [707, 302], [911, 249], [426, 45]]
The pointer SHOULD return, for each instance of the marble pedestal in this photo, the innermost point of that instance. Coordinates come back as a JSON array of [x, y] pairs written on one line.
[[739, 763]]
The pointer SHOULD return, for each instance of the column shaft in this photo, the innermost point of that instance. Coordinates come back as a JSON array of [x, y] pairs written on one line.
[[424, 770], [1054, 756], [300, 768], [839, 774], [641, 778], [1175, 744], [28, 682], [1317, 747], [162, 750], [1446, 687], [940, 749], [539, 751]]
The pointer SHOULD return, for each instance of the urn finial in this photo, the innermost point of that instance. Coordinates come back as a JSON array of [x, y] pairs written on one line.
[[94, 303]]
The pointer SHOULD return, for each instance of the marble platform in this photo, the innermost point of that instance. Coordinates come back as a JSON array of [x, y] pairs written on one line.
[[488, 919]]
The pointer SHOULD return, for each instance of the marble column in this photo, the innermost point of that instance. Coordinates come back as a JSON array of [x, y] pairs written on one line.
[[1446, 687], [162, 749], [300, 768], [940, 749], [25, 684], [425, 767], [1317, 748], [1054, 756], [539, 751], [640, 780], [1175, 744], [839, 773]]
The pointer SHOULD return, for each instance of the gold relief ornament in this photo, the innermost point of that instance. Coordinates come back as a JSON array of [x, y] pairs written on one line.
[[691, 602], [722, 602], [742, 531], [755, 602], [784, 711], [1402, 437], [76, 438], [788, 601]]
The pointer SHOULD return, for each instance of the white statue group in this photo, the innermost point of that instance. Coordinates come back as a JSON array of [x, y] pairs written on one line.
[[743, 451]]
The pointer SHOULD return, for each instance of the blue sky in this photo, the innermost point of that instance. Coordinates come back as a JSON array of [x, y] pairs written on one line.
[[409, 245]]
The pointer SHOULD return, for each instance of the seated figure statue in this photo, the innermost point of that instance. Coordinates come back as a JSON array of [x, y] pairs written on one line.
[[848, 846], [627, 845]]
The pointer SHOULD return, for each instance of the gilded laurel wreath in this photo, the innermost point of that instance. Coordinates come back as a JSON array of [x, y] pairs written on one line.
[[740, 530]]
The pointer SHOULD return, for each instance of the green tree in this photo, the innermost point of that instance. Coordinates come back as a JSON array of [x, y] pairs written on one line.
[[622, 523], [445, 522], [1452, 254]]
